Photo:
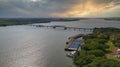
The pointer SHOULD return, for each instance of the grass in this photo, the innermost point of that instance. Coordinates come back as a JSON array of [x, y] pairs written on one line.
[[112, 53], [111, 46]]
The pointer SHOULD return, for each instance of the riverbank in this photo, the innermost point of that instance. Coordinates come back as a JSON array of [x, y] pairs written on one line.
[[23, 21], [9, 23], [99, 49], [20, 22]]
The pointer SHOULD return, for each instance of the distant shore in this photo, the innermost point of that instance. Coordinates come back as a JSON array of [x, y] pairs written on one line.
[[11, 22], [24, 21]]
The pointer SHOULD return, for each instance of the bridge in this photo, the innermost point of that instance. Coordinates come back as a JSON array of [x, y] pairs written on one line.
[[64, 27]]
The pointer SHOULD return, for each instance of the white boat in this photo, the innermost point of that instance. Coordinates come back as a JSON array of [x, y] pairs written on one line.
[[71, 54]]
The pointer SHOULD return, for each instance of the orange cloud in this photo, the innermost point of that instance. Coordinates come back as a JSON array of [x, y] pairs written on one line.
[[85, 9]]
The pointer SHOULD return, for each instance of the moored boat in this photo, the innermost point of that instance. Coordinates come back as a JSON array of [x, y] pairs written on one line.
[[71, 54]]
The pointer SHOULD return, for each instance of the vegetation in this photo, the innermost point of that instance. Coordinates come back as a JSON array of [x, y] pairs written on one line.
[[103, 62], [7, 23], [97, 45], [21, 21], [113, 18]]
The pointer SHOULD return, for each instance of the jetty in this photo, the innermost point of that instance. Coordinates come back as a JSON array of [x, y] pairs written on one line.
[[64, 27], [74, 43]]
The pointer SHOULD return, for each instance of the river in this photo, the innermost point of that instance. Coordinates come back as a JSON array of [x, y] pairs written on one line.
[[28, 46]]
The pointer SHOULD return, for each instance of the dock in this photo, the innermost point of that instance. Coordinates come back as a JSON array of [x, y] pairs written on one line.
[[74, 43]]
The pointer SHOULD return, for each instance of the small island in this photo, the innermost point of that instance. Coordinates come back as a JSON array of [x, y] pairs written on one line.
[[99, 49]]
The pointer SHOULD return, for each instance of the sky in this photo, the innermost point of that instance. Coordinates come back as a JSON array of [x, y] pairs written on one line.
[[59, 8]]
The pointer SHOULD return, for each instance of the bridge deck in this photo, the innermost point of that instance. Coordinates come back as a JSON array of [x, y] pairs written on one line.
[[64, 27]]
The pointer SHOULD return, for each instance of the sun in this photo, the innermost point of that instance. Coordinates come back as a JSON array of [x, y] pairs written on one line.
[[34, 0], [38, 0], [42, 1]]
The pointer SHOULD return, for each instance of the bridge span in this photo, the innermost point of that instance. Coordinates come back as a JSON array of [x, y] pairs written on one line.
[[64, 27]]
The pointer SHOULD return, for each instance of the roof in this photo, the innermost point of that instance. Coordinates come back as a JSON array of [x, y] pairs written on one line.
[[118, 49]]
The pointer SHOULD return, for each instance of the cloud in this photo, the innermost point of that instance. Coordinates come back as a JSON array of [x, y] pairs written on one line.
[[88, 7], [57, 8], [112, 12]]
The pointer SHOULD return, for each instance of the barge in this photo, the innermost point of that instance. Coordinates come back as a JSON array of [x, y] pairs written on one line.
[[74, 43]]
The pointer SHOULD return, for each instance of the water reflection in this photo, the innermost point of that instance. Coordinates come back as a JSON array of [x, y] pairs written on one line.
[[27, 46]]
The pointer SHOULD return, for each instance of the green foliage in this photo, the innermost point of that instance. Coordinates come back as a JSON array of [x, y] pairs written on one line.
[[8, 23], [103, 62], [97, 53], [103, 36], [115, 38], [102, 41], [84, 60], [112, 18], [93, 52], [94, 44], [85, 47], [117, 44]]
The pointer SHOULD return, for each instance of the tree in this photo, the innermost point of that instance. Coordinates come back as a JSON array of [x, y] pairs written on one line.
[[97, 53], [103, 62], [84, 60], [117, 45], [85, 47]]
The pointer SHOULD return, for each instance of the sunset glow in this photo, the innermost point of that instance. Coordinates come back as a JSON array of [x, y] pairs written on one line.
[[59, 8], [86, 9]]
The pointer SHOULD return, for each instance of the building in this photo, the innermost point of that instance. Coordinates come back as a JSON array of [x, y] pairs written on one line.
[[118, 53]]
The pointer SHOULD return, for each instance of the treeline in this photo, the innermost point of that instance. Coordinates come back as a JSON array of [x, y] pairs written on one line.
[[9, 23], [113, 18], [93, 52], [113, 34], [20, 21]]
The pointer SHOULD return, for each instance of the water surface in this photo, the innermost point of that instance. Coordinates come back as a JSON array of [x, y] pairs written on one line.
[[27, 46]]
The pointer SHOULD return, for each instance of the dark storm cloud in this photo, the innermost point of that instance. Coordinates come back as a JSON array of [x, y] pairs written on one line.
[[47, 8]]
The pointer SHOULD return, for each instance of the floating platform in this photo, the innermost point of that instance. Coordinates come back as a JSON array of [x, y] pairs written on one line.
[[74, 43]]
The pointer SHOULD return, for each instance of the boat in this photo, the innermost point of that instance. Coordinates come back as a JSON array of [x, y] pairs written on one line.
[[71, 54]]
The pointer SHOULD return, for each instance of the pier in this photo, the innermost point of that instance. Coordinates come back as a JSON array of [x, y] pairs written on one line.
[[74, 43], [64, 27]]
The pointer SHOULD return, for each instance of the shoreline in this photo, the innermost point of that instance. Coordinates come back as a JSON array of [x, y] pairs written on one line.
[[96, 47]]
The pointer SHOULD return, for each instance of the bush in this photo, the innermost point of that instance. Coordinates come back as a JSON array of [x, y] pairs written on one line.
[[103, 62], [97, 53], [84, 60]]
